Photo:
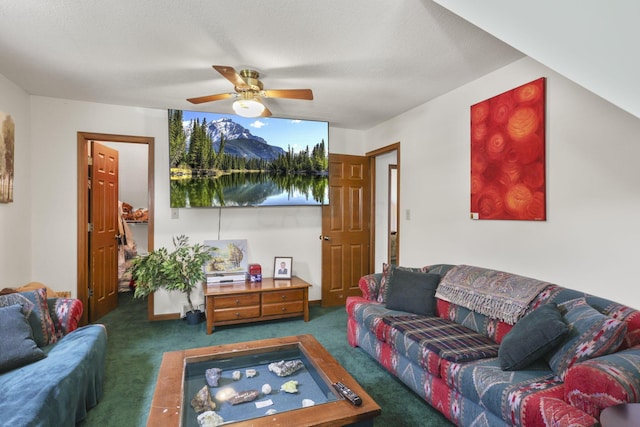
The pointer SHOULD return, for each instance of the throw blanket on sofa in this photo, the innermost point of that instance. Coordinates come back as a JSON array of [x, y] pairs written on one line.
[[496, 294]]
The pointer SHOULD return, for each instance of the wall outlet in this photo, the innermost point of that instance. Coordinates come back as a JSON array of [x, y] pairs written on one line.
[[175, 213]]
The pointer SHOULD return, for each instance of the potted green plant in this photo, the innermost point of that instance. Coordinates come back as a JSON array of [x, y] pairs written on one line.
[[180, 270]]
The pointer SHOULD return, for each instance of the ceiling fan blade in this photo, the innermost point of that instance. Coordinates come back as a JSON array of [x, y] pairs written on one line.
[[266, 112], [289, 93], [210, 98], [230, 74]]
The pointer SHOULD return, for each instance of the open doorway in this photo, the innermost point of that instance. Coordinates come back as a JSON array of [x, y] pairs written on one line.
[[85, 139], [393, 252], [385, 172]]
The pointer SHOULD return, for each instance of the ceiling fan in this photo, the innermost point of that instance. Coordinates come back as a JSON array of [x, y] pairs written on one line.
[[248, 91]]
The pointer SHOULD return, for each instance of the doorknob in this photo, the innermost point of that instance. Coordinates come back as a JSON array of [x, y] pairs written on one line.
[[321, 237]]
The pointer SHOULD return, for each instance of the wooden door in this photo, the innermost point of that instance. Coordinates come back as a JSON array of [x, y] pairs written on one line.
[[103, 242], [345, 228]]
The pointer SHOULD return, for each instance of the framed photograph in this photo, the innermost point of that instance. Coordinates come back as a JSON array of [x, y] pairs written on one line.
[[282, 267]]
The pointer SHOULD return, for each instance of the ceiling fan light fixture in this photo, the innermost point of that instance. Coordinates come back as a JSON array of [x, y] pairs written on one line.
[[248, 107]]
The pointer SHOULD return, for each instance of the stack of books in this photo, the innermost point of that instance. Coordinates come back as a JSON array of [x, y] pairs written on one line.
[[218, 278]]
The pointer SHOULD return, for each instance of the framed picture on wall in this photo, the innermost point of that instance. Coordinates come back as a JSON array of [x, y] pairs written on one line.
[[508, 155], [282, 267], [7, 148]]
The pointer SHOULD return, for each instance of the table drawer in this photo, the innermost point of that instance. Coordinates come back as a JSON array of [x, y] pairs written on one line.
[[239, 313], [240, 300], [282, 308], [282, 296]]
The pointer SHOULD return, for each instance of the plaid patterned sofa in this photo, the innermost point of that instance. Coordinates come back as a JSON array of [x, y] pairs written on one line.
[[450, 359]]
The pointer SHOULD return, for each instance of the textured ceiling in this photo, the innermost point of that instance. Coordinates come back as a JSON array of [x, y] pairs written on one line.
[[366, 61]]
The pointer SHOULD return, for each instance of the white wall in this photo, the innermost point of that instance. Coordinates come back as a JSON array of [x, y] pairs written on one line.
[[588, 242], [590, 239], [270, 231], [591, 42], [15, 218]]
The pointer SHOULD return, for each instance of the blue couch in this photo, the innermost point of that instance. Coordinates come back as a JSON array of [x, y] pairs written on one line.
[[58, 389]]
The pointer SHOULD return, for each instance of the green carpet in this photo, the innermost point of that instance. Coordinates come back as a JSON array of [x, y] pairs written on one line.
[[136, 346]]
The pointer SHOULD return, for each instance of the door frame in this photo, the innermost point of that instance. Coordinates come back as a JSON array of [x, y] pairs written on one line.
[[392, 178], [372, 173], [83, 206]]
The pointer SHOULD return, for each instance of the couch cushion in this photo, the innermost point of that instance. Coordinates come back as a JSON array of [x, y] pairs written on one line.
[[512, 395], [492, 328], [46, 328], [65, 314], [17, 347], [387, 272], [591, 334], [604, 381], [413, 292], [532, 337], [37, 312], [370, 315], [445, 338]]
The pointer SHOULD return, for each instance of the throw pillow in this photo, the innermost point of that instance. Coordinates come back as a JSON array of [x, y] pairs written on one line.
[[591, 334], [17, 347], [532, 337], [413, 292], [387, 272], [37, 312]]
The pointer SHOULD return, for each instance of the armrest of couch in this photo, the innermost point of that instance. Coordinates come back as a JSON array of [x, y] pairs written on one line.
[[65, 313], [604, 381], [370, 286]]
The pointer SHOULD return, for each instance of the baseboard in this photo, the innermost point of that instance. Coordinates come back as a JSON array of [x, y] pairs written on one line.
[[173, 316]]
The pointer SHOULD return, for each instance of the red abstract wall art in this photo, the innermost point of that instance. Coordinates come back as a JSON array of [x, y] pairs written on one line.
[[508, 155]]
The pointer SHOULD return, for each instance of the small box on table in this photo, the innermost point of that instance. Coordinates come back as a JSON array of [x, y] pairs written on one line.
[[255, 273]]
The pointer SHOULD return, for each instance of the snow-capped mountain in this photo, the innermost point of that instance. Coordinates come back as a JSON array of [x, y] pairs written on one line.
[[239, 140], [231, 130]]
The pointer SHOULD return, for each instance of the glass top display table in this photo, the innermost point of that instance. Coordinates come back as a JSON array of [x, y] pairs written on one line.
[[248, 366]]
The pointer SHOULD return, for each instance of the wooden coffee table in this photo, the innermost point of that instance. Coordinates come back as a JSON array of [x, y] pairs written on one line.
[[171, 408]]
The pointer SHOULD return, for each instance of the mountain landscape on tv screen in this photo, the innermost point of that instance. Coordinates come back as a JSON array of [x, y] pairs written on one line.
[[239, 140], [216, 161]]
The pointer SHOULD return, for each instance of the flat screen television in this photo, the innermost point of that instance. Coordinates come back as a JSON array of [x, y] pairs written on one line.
[[223, 160]]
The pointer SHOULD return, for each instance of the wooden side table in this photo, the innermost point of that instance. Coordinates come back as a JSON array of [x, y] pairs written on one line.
[[243, 302], [624, 415]]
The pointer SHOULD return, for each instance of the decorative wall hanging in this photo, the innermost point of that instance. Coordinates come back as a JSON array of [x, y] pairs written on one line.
[[7, 142], [508, 155]]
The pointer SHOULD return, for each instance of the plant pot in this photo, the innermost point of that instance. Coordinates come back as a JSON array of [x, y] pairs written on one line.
[[194, 317]]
